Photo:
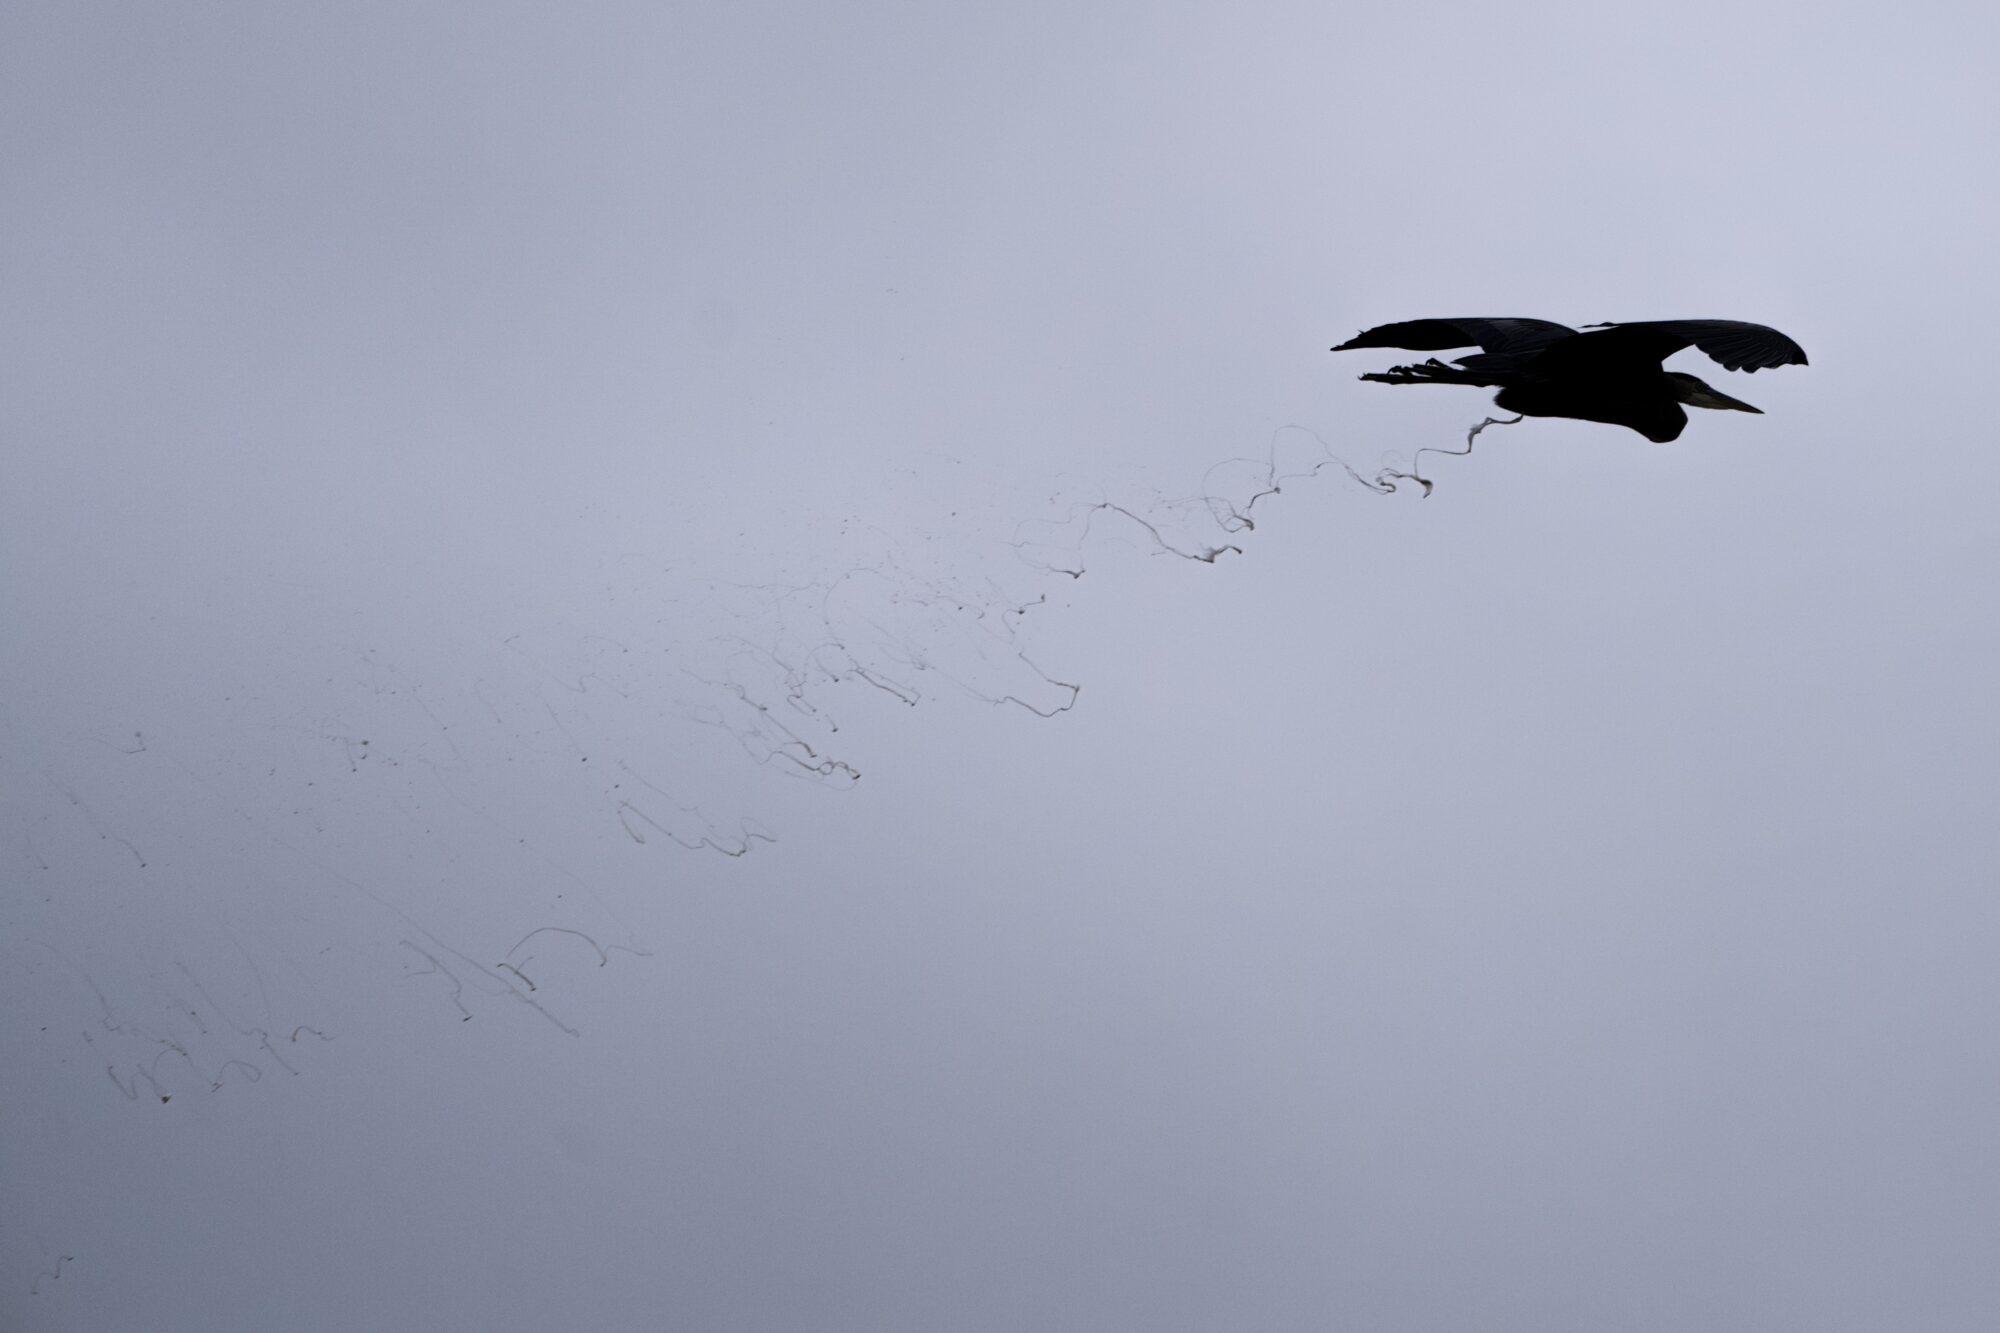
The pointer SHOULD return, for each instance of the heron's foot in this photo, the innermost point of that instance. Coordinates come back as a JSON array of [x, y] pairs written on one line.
[[1432, 371]]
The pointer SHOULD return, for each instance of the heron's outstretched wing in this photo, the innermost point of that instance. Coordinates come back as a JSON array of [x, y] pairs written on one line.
[[1436, 335], [1737, 345]]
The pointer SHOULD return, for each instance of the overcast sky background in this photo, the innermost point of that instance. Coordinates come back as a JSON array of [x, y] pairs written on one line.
[[480, 481]]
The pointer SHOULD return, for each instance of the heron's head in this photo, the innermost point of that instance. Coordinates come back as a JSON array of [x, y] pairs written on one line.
[[1698, 393]]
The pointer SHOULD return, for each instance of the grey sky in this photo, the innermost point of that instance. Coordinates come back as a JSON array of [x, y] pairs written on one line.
[[479, 481]]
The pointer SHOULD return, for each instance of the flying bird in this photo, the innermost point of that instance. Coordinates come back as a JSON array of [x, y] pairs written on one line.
[[1605, 372]]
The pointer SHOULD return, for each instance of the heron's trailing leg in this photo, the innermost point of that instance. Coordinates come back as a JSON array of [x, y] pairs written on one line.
[[1432, 371]]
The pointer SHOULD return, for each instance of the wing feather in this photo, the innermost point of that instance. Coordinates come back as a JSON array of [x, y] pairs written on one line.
[[1732, 342], [1437, 335]]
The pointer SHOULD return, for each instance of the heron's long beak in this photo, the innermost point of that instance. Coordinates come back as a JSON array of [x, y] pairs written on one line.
[[1704, 395]]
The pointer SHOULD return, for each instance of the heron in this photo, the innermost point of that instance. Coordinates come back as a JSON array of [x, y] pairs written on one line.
[[1602, 372]]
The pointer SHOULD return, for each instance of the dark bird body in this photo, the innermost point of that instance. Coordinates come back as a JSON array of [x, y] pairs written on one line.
[[1608, 372]]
